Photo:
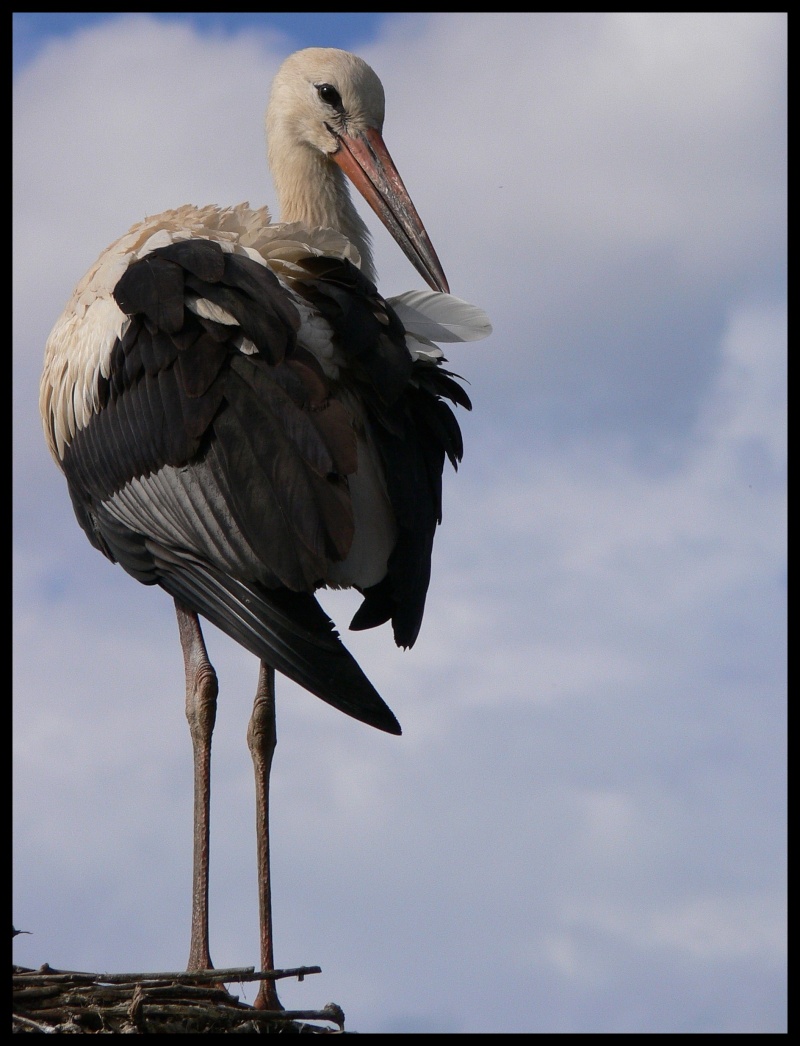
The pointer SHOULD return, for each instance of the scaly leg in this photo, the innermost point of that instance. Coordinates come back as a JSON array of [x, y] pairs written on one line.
[[201, 711], [261, 739]]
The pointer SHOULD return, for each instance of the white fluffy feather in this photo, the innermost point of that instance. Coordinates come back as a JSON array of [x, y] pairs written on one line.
[[434, 317]]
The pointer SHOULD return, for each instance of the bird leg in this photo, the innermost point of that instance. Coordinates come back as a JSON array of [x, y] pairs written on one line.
[[201, 711], [261, 739]]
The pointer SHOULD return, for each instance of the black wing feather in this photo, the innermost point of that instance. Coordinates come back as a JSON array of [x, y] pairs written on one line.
[[259, 450], [410, 425], [273, 445]]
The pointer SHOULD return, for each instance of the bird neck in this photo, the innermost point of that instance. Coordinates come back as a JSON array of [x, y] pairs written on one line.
[[312, 190]]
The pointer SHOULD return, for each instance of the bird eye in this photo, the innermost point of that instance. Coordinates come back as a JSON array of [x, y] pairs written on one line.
[[329, 95]]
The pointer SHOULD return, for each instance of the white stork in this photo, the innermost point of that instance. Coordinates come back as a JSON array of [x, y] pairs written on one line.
[[242, 419]]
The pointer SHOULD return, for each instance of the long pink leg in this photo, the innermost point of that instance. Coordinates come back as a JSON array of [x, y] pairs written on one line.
[[261, 738], [201, 711]]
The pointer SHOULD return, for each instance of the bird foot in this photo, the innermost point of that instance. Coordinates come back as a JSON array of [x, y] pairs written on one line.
[[267, 998]]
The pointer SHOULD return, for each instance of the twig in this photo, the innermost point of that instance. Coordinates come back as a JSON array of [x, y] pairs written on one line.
[[46, 975], [26, 1022]]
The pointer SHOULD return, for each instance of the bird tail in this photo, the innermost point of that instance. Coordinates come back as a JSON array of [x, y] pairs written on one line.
[[287, 630]]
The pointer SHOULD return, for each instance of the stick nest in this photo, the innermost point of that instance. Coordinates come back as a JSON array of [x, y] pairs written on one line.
[[66, 1001]]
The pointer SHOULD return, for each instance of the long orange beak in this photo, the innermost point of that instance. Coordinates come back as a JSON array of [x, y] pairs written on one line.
[[366, 161]]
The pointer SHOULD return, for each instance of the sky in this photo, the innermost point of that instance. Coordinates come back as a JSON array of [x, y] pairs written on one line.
[[583, 826]]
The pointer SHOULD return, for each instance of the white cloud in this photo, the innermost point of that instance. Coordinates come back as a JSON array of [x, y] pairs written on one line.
[[584, 815]]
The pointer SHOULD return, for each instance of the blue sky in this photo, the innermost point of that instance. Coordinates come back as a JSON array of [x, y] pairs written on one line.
[[319, 28], [584, 822]]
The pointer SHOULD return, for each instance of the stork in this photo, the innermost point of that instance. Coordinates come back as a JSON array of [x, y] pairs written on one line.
[[242, 420]]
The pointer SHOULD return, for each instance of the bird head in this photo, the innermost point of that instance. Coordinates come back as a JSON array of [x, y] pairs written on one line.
[[330, 103]]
